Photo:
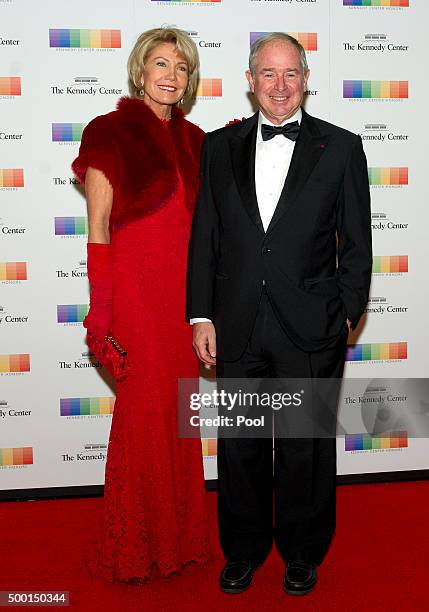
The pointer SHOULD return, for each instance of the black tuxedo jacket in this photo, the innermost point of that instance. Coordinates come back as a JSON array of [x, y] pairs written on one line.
[[315, 257]]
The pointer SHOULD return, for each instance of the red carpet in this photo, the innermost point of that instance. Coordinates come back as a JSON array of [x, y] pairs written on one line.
[[379, 559]]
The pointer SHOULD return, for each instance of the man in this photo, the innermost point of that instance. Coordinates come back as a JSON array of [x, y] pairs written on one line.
[[279, 271]]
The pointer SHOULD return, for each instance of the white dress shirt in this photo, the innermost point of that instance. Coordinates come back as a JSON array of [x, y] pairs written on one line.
[[272, 161]]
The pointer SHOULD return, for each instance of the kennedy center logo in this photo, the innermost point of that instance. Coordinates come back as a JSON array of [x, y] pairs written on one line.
[[380, 133], [71, 313], [83, 86], [15, 364], [77, 271], [7, 411], [209, 88], [375, 90], [13, 271], [380, 351], [86, 406], [71, 226], [388, 177], [390, 264], [10, 87], [16, 456], [11, 178], [380, 305], [209, 446], [375, 43], [67, 132], [367, 442], [11, 317], [380, 221], [65, 38], [202, 42], [11, 231], [377, 3]]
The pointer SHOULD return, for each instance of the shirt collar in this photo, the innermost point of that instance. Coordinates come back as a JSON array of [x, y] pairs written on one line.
[[262, 119]]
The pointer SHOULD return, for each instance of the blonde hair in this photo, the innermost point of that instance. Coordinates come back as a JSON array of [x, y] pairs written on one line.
[[148, 40]]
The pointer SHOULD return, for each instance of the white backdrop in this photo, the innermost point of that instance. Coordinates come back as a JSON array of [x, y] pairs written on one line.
[[63, 63]]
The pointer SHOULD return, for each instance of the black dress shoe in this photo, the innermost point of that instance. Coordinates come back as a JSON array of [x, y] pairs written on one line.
[[237, 576], [300, 577]]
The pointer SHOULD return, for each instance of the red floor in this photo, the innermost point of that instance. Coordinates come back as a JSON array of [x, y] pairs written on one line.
[[379, 559]]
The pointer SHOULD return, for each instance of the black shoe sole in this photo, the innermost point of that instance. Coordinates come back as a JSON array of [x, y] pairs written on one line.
[[235, 591], [303, 592]]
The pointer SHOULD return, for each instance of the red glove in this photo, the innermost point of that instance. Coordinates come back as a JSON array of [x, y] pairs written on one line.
[[99, 318], [98, 321]]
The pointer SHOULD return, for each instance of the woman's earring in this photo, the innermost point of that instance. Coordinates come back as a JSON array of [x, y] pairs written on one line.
[[141, 92]]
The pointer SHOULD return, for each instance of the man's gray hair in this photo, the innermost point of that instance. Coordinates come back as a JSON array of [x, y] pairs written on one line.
[[282, 36]]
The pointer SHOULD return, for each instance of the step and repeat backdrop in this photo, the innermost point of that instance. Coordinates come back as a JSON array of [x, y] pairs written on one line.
[[63, 63]]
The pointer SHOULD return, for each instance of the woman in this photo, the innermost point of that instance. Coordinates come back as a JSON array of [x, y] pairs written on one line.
[[140, 166]]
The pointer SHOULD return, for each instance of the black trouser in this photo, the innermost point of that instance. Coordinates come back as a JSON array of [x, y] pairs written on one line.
[[304, 475]]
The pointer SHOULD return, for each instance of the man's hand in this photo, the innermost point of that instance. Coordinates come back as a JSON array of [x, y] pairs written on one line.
[[349, 324], [204, 342]]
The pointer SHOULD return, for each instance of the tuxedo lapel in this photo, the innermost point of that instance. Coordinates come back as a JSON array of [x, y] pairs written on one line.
[[309, 147], [243, 151]]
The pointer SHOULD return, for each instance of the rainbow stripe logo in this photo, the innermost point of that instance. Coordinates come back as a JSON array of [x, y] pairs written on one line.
[[209, 446], [11, 177], [71, 226], [16, 456], [10, 86], [67, 132], [401, 3], [71, 313], [210, 88], [13, 270], [362, 442], [377, 352], [307, 39], [375, 89], [81, 406], [388, 176], [389, 264], [15, 363], [85, 39]]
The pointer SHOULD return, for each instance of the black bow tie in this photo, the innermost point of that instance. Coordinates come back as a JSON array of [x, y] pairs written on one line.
[[289, 130]]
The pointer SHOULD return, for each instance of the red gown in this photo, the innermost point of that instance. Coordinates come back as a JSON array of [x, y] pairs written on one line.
[[154, 499]]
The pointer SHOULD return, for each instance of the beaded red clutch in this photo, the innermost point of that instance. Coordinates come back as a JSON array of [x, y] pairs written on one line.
[[110, 354]]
